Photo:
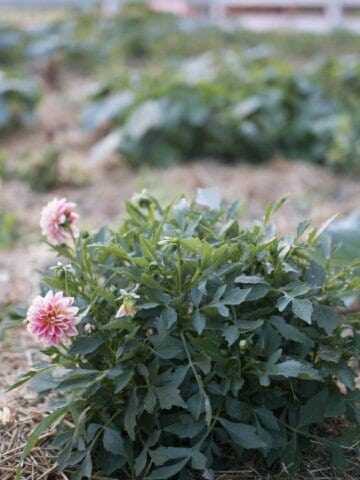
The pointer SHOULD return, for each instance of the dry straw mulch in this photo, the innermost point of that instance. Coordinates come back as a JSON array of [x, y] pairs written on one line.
[[20, 412]]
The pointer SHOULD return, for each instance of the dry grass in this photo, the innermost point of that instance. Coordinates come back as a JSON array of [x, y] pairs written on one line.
[[41, 464], [21, 411]]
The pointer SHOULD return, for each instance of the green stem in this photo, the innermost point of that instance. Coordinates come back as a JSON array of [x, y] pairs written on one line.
[[192, 366]]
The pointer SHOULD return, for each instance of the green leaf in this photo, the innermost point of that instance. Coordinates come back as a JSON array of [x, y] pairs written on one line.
[[203, 361], [271, 209], [164, 473], [169, 317], [237, 409], [169, 348], [250, 279], [231, 334], [303, 309], [302, 227], [78, 378], [291, 455], [326, 317], [345, 375], [243, 435], [150, 400], [236, 296], [313, 410], [85, 345], [45, 424], [163, 454], [208, 197], [140, 462], [283, 302], [328, 353], [113, 442], [294, 368], [198, 321], [315, 275], [198, 460], [169, 396], [123, 380], [267, 418], [288, 331], [338, 459], [130, 416], [186, 429]]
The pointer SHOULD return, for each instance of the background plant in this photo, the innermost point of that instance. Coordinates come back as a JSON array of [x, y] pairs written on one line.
[[197, 335]]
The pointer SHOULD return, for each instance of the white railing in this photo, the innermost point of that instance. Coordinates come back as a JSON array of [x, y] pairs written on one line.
[[309, 15], [305, 15]]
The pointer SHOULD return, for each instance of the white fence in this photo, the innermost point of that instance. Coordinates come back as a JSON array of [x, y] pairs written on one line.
[[306, 15], [315, 16]]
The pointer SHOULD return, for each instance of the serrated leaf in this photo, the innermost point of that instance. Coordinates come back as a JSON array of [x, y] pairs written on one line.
[[231, 334], [130, 416], [294, 368], [236, 296], [169, 396], [328, 353], [113, 442], [315, 275], [326, 317], [288, 331], [303, 309]]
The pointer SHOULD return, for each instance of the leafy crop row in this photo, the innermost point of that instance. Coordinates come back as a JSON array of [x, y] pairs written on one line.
[[193, 337]]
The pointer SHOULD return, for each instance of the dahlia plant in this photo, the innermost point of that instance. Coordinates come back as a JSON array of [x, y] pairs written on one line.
[[182, 339]]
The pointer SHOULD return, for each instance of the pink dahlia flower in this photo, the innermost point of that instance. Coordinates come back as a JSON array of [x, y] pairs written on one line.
[[57, 221], [52, 318]]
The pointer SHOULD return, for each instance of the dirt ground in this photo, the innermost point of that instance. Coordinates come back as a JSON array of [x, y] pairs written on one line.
[[314, 192]]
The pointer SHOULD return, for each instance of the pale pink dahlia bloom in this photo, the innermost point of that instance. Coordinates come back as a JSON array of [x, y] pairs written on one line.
[[127, 309], [52, 318], [57, 221]]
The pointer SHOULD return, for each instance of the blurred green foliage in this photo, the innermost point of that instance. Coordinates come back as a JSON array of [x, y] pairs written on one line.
[[8, 229], [179, 89]]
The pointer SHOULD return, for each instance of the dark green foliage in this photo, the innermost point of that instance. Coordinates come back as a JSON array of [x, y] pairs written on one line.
[[18, 98], [232, 340], [238, 107]]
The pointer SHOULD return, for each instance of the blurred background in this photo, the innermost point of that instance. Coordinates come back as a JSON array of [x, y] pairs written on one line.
[[102, 99]]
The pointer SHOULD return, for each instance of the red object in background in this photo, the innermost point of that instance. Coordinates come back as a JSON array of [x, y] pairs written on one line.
[[177, 7]]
